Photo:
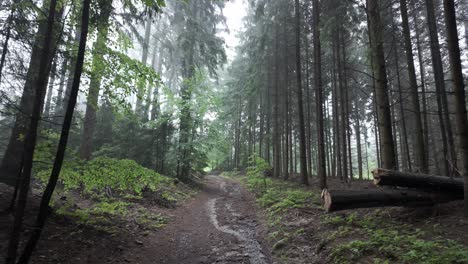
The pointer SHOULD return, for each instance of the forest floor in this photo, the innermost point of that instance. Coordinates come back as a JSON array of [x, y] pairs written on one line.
[[300, 231], [220, 224], [237, 219]]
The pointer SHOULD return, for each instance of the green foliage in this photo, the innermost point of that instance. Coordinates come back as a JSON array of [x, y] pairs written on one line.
[[123, 75], [384, 240], [257, 166], [116, 208], [275, 195], [402, 248], [103, 174]]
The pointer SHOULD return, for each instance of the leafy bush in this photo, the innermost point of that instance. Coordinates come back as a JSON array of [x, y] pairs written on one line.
[[107, 174], [257, 166]]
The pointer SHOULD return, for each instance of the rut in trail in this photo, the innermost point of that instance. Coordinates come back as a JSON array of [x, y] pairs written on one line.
[[244, 229]]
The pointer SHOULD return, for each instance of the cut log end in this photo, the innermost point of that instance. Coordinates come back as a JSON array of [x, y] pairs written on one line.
[[326, 200]]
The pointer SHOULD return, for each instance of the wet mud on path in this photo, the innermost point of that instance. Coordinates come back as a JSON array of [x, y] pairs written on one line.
[[219, 226]]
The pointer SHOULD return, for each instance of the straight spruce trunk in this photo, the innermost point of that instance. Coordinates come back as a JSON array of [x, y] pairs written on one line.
[[446, 130], [382, 100], [300, 105], [418, 135], [459, 90], [321, 169]]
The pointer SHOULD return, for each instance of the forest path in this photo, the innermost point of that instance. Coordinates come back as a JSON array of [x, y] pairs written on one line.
[[219, 226]]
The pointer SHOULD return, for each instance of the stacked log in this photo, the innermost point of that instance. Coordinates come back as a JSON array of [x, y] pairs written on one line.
[[383, 177], [409, 189]]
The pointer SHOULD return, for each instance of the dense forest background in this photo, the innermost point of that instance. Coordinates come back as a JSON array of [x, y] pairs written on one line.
[[317, 89]]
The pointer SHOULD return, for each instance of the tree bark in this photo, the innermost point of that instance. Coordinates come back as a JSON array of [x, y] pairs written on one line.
[[336, 200], [43, 210], [459, 89], [423, 86], [89, 122], [322, 173], [45, 42], [53, 73], [302, 136], [426, 182], [144, 58], [276, 135], [418, 135], [382, 101], [449, 151]]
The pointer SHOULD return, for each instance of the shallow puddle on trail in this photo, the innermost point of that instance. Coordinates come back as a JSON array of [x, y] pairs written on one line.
[[243, 230]]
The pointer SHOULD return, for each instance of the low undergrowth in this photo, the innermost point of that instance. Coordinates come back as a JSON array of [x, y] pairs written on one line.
[[301, 232], [385, 241], [108, 194]]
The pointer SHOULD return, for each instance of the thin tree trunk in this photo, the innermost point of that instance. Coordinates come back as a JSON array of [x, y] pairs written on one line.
[[39, 86], [426, 129], [322, 170], [144, 58], [418, 135], [300, 105], [43, 210], [342, 105], [53, 73], [59, 98], [11, 163], [336, 121], [276, 135], [446, 129], [358, 142]]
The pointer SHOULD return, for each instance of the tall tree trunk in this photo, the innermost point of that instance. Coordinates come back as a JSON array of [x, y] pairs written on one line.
[[6, 42], [45, 42], [276, 135], [418, 135], [459, 90], [358, 141], [186, 121], [336, 120], [155, 108], [287, 127], [382, 101], [300, 105], [60, 92], [425, 119], [43, 210], [11, 163], [446, 130], [342, 107], [53, 73], [322, 173], [89, 122], [144, 58]]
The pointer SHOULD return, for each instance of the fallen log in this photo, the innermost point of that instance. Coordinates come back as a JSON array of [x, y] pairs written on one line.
[[336, 200], [454, 186]]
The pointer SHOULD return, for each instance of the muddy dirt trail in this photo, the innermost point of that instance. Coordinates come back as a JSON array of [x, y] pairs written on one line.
[[219, 226]]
